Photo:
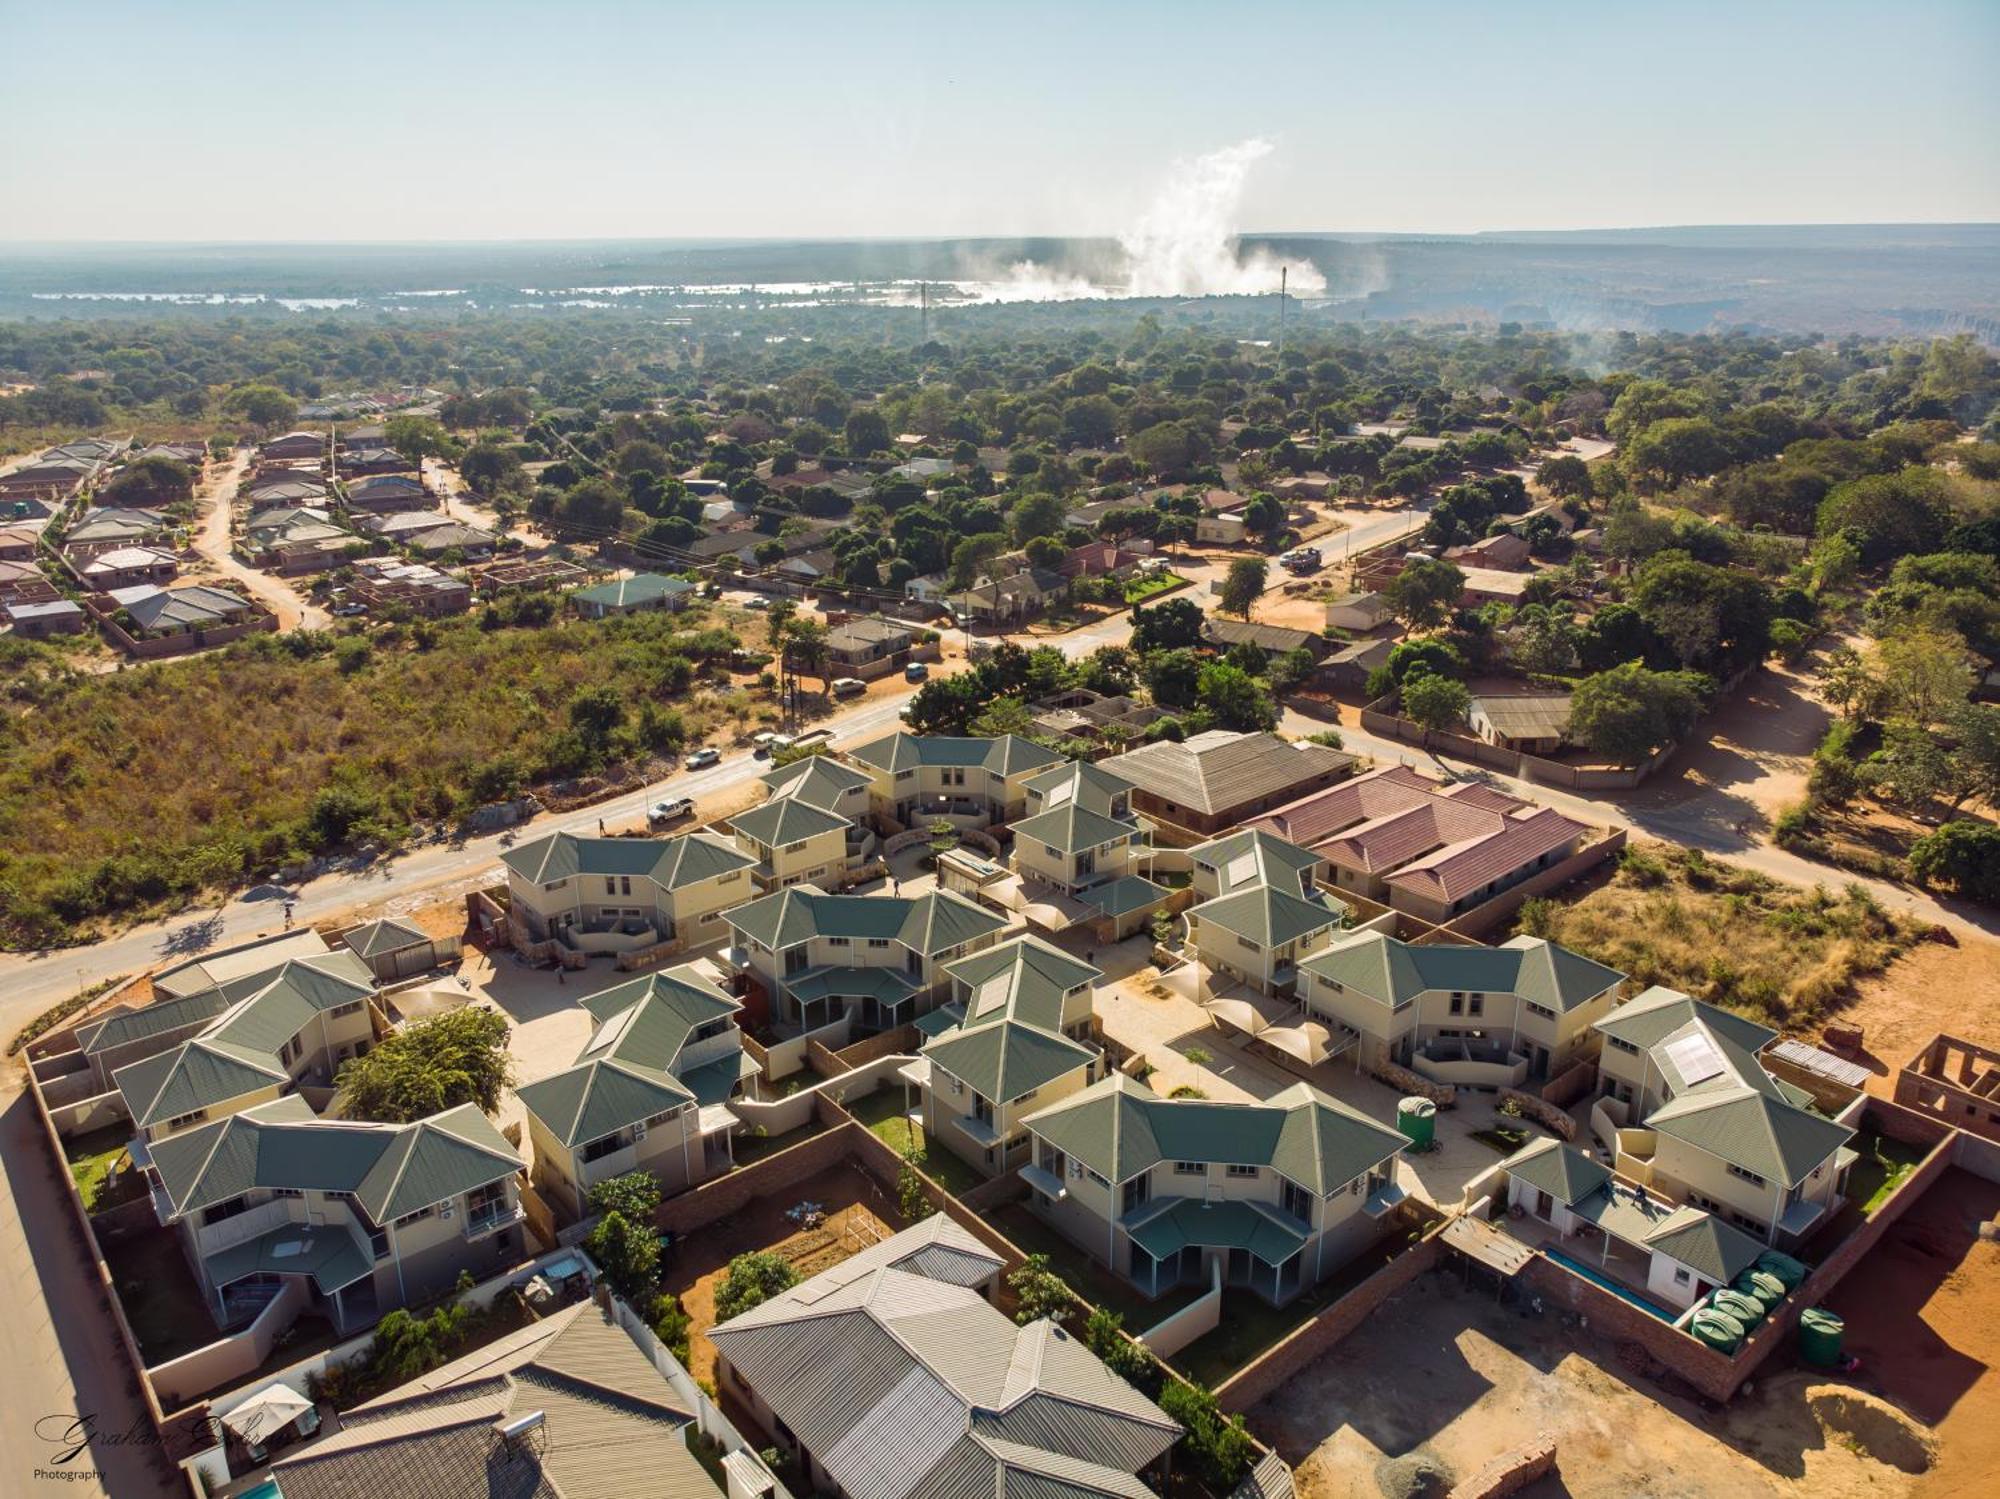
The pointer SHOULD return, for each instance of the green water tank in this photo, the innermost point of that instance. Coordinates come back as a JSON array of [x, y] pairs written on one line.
[[1719, 1330], [1745, 1309], [1820, 1332], [1763, 1285], [1417, 1119], [1787, 1269]]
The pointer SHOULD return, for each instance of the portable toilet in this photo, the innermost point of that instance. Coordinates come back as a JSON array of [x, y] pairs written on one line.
[[1416, 1118], [1820, 1332]]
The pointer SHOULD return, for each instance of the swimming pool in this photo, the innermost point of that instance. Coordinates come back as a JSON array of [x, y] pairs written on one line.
[[268, 1489], [1610, 1285]]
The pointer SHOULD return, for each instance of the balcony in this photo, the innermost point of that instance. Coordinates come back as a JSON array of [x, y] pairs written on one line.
[[1470, 1064], [492, 1219]]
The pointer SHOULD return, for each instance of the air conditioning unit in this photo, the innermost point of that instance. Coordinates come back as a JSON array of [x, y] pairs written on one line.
[[638, 1133], [448, 1210]]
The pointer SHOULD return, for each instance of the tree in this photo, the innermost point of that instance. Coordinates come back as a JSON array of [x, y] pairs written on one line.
[[1889, 515], [865, 432], [1545, 639], [430, 1066], [1174, 677], [751, 1280], [1218, 1447], [1424, 593], [1714, 619], [1567, 477], [1922, 674], [1677, 450], [1242, 586], [1036, 515], [1265, 516], [1235, 698], [1168, 625], [670, 1325], [263, 406], [1003, 715], [972, 554], [1166, 449], [1039, 1292], [628, 1251], [1848, 683], [944, 836], [1628, 712], [1965, 854], [418, 438], [487, 466], [1104, 1335], [596, 713], [1434, 703], [636, 1194], [150, 482]]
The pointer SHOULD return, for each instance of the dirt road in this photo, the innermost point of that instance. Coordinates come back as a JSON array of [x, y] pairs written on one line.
[[212, 541]]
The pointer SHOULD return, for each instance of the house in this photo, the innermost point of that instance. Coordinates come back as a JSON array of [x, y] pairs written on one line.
[[369, 1217], [1215, 780], [51, 479], [879, 959], [1349, 668], [385, 494], [1272, 640], [1258, 934], [1532, 723], [630, 595], [869, 648], [893, 1376], [25, 583], [1702, 1122], [393, 948], [192, 456], [115, 565], [1014, 597], [19, 544], [296, 539], [1397, 837], [1488, 585], [452, 536], [158, 612], [1014, 1036], [538, 573], [1503, 550], [645, 1093], [1077, 854], [383, 583], [823, 782], [400, 525], [1097, 559], [1678, 1254], [1313, 486], [1225, 530], [1275, 1196], [373, 461], [38, 621], [919, 778], [795, 842], [592, 1412], [363, 435], [287, 1024], [611, 895], [123, 526], [285, 488], [1358, 613], [1478, 1016], [294, 445], [1236, 861]]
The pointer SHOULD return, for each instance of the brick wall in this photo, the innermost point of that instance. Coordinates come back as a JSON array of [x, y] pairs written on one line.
[[1325, 1332], [1543, 1113], [1510, 1472], [1567, 1087], [903, 1040], [770, 1177]]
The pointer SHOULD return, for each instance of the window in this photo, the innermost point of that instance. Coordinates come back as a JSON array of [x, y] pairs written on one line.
[[659, 1119], [836, 942], [610, 885], [1247, 1173], [1297, 1201], [182, 1121], [1476, 1005], [1458, 1004], [877, 942], [792, 848], [1681, 1276], [1054, 1161], [1190, 1168], [1101, 1180], [1542, 1010], [224, 1210], [624, 884], [795, 961], [353, 1008], [1750, 1176], [1621, 1045], [417, 1217], [1136, 1192], [1247, 945], [282, 1192], [982, 1108], [378, 1244]]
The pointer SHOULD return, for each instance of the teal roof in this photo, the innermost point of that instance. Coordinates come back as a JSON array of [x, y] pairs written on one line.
[[634, 592], [596, 1098], [1562, 1171], [391, 1169], [155, 1019], [1756, 1131], [1268, 916], [1390, 971], [1006, 755], [1713, 1249], [1120, 1128], [1122, 896], [327, 1252], [1081, 783], [1022, 979], [1656, 1013], [375, 938], [787, 820], [1173, 1224], [197, 1074], [669, 862], [1072, 828], [886, 985], [817, 780], [1255, 857], [930, 923], [1006, 1060]]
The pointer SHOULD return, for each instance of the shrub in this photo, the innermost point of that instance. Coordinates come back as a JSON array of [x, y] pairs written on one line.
[[670, 1325], [1965, 854], [1040, 1292], [752, 1280], [1217, 1447]]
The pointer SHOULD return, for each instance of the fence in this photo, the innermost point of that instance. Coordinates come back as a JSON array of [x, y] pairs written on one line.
[[1565, 1088], [1543, 1113], [103, 609], [1378, 719], [236, 1357], [1484, 917], [1199, 1317]]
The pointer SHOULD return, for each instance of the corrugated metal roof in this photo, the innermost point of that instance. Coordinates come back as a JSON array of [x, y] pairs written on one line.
[[1213, 772], [1268, 915], [668, 862]]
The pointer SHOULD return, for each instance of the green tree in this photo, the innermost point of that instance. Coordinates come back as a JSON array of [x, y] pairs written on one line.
[[1677, 450], [1218, 1448], [1036, 515], [429, 1066], [1167, 625], [1545, 639], [972, 554], [1264, 516], [671, 1325], [1889, 515], [1235, 699], [1567, 477], [1242, 586], [1039, 1292], [1435, 703], [751, 1280], [487, 467], [1922, 675], [1104, 1335], [263, 406], [1964, 854], [152, 482], [1174, 677], [1425, 592], [636, 1194], [418, 438], [628, 1252], [865, 432], [1627, 712]]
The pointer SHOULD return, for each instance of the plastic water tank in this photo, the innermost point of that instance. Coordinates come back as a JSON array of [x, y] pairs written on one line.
[[1417, 1119], [1820, 1334]]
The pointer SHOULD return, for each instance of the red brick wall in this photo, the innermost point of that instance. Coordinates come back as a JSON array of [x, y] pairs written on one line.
[[769, 1177]]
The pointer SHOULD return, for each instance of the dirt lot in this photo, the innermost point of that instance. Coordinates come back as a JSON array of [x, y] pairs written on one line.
[[1923, 1314], [1447, 1377], [858, 1213], [1931, 988]]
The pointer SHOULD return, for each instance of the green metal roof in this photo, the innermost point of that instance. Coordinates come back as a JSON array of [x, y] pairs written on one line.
[[1080, 783], [378, 937], [1713, 1249], [1022, 979], [1267, 915], [1651, 1016], [1005, 1060], [928, 923], [1181, 1222], [1753, 1130], [1124, 895], [817, 780], [886, 985], [595, 1098], [669, 862], [391, 1169], [788, 820], [634, 592], [1391, 971], [1006, 755], [1272, 861], [1071, 828], [327, 1252], [197, 1074], [1562, 1171], [150, 1020], [1120, 1128]]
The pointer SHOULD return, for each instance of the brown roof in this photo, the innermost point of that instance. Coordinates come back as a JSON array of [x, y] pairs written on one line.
[[1218, 770], [1460, 868]]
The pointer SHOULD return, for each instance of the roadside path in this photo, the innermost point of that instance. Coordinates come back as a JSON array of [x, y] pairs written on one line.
[[212, 541]]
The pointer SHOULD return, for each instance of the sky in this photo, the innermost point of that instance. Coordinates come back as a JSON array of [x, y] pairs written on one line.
[[433, 119]]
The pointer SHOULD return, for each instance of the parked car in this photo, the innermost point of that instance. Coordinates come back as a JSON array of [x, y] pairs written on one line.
[[1302, 559], [848, 686], [757, 601], [669, 811], [761, 742], [916, 671], [702, 758], [348, 611]]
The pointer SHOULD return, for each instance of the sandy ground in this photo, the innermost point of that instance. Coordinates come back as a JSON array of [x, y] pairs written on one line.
[[858, 1213], [1923, 1314], [212, 542], [1933, 987], [1448, 1375]]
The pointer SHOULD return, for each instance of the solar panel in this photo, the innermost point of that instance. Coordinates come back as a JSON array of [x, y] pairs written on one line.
[[1057, 795], [1242, 870], [992, 994], [1695, 1058]]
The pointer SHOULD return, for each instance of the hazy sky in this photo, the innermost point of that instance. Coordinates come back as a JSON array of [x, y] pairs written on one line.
[[585, 118]]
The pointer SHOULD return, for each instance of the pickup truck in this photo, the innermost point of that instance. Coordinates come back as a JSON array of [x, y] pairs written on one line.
[[671, 810]]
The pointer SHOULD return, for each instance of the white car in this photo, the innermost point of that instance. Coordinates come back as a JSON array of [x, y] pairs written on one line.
[[761, 742], [668, 811], [702, 758]]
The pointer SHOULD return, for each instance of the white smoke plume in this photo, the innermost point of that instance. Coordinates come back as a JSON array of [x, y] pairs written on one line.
[[1183, 245]]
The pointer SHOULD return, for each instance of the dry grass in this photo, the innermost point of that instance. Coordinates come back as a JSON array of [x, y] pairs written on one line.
[[1726, 935]]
